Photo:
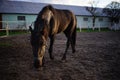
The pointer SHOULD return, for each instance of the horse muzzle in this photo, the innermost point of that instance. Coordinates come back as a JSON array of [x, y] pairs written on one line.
[[38, 62]]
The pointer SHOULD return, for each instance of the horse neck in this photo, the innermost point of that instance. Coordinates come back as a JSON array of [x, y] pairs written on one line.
[[45, 32]]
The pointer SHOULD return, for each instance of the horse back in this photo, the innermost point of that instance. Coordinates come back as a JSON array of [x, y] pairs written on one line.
[[63, 19]]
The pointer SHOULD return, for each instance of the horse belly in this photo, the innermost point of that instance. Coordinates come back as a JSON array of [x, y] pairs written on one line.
[[62, 28]]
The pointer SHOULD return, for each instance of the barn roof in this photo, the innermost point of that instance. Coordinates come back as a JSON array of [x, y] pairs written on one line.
[[34, 8]]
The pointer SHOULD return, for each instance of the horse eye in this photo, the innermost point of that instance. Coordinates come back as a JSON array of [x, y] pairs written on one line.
[[42, 33]]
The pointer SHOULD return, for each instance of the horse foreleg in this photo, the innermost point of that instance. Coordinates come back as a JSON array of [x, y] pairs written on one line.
[[51, 47], [67, 46]]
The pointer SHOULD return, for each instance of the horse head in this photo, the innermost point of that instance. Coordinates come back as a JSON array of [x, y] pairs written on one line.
[[38, 42], [39, 37]]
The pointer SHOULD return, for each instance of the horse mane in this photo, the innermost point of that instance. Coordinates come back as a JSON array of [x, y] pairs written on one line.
[[38, 19], [48, 7]]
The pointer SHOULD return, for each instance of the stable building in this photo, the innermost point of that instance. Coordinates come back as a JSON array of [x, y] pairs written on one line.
[[17, 14]]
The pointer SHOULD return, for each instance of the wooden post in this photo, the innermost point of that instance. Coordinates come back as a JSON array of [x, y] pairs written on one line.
[[80, 28], [7, 29], [88, 26], [99, 27]]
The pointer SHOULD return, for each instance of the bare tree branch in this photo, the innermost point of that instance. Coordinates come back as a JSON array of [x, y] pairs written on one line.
[[92, 10], [113, 11]]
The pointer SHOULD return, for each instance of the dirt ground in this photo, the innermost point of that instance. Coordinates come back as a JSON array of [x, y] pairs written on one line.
[[97, 58]]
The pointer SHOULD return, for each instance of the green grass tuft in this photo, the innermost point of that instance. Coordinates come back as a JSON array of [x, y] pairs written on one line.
[[15, 32], [5, 45], [96, 30]]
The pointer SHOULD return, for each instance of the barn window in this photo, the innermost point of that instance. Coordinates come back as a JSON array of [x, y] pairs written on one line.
[[21, 18], [100, 19], [85, 19]]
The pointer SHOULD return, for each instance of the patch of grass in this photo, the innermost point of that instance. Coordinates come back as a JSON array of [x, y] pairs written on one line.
[[95, 30], [2, 33], [13, 32], [90, 30], [5, 45], [17, 32]]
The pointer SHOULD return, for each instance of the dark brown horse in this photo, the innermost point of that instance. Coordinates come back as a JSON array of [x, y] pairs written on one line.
[[49, 22]]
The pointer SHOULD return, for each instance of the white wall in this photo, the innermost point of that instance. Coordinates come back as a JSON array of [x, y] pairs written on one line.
[[13, 22], [85, 24]]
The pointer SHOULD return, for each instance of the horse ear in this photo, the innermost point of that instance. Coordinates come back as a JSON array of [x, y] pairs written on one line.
[[30, 28], [51, 8]]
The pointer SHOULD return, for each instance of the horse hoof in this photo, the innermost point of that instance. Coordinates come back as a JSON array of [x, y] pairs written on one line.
[[63, 61], [52, 58], [73, 51], [63, 58]]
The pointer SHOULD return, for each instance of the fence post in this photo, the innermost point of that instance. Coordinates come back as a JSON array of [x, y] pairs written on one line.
[[80, 28], [7, 30], [88, 28], [99, 26]]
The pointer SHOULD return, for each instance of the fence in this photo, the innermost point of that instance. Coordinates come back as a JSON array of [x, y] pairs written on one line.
[[98, 26], [7, 26]]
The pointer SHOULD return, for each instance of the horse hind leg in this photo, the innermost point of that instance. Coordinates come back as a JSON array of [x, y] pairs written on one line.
[[73, 40], [70, 40], [67, 46], [51, 47]]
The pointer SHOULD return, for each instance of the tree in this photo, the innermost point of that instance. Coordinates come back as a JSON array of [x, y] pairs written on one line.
[[93, 11], [112, 10]]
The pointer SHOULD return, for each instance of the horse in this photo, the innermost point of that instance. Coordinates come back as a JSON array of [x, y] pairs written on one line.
[[49, 22]]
